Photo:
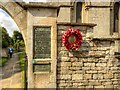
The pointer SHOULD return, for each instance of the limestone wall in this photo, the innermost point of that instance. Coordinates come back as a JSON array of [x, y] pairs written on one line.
[[99, 13], [41, 79], [92, 66]]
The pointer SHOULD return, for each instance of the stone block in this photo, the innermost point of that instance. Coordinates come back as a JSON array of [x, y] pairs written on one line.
[[107, 83], [86, 68], [101, 64], [108, 75], [90, 71], [65, 64], [65, 71], [77, 76], [73, 60], [79, 71], [65, 76], [87, 76], [97, 68], [89, 64], [65, 59], [75, 68], [94, 82], [102, 71], [62, 85], [109, 86], [81, 87], [100, 86], [109, 63], [63, 54], [77, 64], [117, 76], [89, 87], [103, 48], [62, 28], [71, 54], [97, 76], [64, 15], [115, 82], [82, 28]]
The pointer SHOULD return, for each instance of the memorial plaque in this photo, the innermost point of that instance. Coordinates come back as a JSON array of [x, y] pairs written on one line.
[[42, 42], [42, 68]]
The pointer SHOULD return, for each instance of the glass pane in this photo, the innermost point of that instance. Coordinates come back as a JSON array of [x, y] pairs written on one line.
[[42, 42]]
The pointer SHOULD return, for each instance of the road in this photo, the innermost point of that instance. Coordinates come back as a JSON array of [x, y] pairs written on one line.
[[11, 73]]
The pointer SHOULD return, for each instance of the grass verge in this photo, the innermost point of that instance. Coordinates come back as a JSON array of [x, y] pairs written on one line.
[[21, 58]]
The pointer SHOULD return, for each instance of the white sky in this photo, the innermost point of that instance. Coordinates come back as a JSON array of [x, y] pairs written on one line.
[[7, 22]]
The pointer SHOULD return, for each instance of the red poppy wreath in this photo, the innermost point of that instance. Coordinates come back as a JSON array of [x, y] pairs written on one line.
[[72, 39]]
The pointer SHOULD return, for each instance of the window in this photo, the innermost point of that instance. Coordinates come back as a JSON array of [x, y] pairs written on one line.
[[78, 11], [116, 16]]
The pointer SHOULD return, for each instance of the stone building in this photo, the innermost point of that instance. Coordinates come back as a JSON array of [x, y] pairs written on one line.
[[50, 65]]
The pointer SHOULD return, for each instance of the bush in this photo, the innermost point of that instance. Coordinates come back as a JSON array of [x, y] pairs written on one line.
[[2, 61], [4, 44]]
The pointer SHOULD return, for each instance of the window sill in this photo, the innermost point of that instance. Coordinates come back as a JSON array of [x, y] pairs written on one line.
[[42, 61], [41, 73]]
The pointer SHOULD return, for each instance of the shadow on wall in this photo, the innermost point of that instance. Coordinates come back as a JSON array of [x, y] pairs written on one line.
[[83, 51]]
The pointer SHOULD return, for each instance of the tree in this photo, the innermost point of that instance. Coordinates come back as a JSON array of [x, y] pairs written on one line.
[[18, 40], [6, 39], [17, 36]]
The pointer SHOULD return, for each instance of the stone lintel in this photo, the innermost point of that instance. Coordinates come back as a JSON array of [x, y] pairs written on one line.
[[106, 39], [91, 6]]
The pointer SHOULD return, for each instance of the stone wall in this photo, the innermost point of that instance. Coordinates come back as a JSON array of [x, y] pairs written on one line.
[[99, 13], [92, 66], [41, 79]]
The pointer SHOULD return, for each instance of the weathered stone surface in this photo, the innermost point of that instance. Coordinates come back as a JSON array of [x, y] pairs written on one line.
[[94, 82], [93, 68], [65, 76], [99, 86], [97, 76], [87, 76], [101, 64], [108, 75], [93, 65], [91, 71], [107, 83], [65, 64], [77, 76], [77, 64], [89, 64]]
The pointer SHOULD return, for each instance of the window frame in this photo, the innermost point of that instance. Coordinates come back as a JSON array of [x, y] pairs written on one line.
[[34, 27]]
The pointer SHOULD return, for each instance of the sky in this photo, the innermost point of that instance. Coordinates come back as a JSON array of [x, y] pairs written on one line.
[[7, 22]]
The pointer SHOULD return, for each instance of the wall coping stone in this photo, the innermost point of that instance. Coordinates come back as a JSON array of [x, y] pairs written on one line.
[[38, 5], [41, 5], [76, 24]]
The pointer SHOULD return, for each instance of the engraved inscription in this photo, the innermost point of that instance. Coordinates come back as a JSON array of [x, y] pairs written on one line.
[[42, 42]]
